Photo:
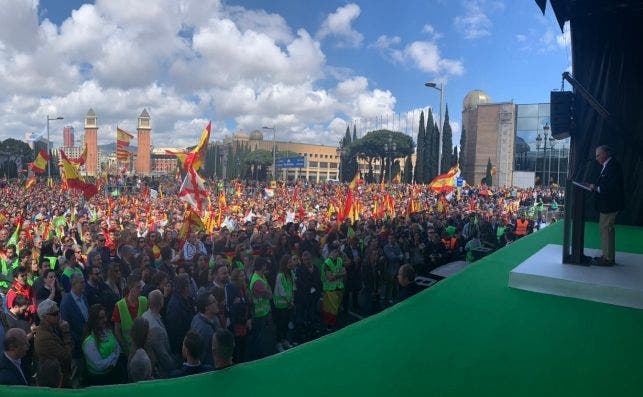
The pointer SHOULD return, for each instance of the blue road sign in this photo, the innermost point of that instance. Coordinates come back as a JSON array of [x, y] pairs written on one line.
[[459, 182], [290, 162]]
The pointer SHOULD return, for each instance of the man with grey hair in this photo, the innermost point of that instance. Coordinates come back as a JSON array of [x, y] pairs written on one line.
[[157, 339], [52, 338], [609, 197], [75, 310], [15, 348]]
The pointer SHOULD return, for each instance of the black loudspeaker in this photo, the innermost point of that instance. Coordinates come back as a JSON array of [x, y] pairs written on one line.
[[561, 113]]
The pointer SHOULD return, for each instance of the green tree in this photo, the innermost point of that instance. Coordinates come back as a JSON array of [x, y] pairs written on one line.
[[447, 142], [419, 157], [371, 147], [454, 157], [258, 162], [14, 153], [354, 132], [408, 170]]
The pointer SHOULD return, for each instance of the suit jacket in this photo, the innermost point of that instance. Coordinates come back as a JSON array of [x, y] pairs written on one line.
[[54, 343], [70, 312], [610, 196], [159, 346], [9, 374]]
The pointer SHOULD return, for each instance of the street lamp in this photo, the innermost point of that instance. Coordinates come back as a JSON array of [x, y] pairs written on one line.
[[274, 150], [339, 151], [390, 148], [48, 149], [539, 139], [440, 127]]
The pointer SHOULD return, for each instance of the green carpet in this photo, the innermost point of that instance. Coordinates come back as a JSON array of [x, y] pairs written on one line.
[[469, 335]]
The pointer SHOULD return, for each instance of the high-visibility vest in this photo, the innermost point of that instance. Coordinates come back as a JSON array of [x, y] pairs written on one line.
[[500, 232], [105, 347], [126, 318], [261, 305], [281, 302], [334, 267], [521, 227], [5, 280]]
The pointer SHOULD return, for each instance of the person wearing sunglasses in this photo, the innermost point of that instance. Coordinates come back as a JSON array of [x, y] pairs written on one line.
[[52, 338]]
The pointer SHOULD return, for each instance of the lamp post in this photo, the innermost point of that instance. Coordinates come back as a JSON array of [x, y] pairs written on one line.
[[48, 148], [538, 140], [441, 89], [274, 150], [339, 151], [390, 148]]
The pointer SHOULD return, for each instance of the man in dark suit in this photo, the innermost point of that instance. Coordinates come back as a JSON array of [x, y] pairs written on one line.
[[75, 311], [15, 348], [609, 200]]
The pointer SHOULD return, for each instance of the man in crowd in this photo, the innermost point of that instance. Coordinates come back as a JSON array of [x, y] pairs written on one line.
[[222, 348], [75, 311], [16, 346], [157, 338], [128, 309], [53, 340]]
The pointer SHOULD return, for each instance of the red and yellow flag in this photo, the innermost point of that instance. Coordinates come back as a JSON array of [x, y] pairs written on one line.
[[80, 160], [445, 182], [39, 165], [30, 182], [123, 139], [194, 159], [72, 177]]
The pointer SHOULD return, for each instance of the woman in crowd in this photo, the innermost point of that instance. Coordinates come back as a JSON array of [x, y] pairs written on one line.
[[238, 309], [101, 349], [283, 299]]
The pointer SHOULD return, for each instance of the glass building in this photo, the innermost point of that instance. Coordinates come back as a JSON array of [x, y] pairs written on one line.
[[536, 150]]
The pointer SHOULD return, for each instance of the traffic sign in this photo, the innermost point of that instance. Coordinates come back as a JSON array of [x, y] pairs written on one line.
[[290, 162]]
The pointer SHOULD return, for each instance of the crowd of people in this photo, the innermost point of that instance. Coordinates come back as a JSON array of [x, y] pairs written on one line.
[[112, 290]]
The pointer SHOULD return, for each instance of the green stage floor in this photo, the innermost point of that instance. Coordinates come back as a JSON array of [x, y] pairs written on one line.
[[469, 335]]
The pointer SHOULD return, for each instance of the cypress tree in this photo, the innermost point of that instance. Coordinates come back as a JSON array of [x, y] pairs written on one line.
[[447, 142], [419, 154], [354, 133], [454, 158]]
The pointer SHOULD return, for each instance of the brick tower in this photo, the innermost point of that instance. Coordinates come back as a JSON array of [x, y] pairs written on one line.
[[91, 139], [144, 144]]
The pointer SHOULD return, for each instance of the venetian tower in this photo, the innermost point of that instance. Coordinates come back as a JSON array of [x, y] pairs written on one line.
[[143, 162], [91, 140]]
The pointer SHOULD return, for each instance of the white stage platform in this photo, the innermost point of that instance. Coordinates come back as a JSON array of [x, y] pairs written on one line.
[[620, 285]]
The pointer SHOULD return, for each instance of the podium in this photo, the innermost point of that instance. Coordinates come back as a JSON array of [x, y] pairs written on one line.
[[574, 231]]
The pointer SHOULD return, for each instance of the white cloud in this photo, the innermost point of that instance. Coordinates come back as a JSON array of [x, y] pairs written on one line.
[[474, 23], [339, 25], [185, 62], [564, 39], [521, 38]]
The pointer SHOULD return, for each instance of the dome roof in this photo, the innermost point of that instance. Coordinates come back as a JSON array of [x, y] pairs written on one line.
[[240, 135], [256, 135], [475, 98]]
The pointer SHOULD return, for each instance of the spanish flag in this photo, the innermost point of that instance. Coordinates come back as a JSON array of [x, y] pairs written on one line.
[[73, 179], [123, 139], [30, 182], [194, 159], [357, 180], [191, 222], [80, 160], [445, 182], [39, 165]]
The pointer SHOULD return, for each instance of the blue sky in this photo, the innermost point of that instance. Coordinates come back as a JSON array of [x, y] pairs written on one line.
[[307, 67]]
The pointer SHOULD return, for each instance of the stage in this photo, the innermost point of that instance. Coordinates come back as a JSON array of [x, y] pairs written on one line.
[[620, 285], [468, 335]]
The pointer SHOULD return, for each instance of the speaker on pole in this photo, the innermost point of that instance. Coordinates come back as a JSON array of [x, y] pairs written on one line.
[[561, 113]]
